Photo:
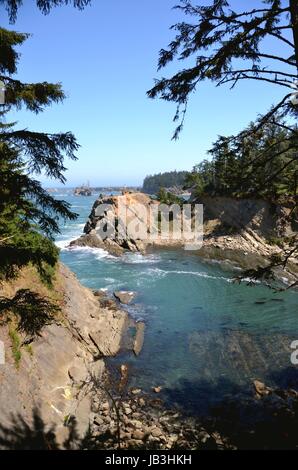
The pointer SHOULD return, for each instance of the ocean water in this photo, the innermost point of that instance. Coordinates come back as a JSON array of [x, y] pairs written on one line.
[[206, 336]]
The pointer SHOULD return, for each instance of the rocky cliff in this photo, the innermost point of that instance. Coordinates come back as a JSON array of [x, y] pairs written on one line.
[[117, 215], [264, 218], [52, 379], [244, 231], [248, 231]]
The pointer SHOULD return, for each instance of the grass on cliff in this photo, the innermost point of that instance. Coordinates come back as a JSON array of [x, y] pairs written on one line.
[[15, 345]]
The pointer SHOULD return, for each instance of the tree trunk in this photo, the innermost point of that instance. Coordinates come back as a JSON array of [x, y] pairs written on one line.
[[294, 22]]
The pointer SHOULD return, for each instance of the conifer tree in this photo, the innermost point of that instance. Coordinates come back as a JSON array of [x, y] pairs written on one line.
[[226, 44], [28, 214]]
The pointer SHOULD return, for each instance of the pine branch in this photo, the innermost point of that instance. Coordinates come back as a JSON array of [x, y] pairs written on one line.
[[44, 152], [45, 6]]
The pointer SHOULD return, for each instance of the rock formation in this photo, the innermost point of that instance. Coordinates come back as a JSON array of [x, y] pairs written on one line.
[[83, 191], [53, 376], [120, 219], [244, 231], [124, 297]]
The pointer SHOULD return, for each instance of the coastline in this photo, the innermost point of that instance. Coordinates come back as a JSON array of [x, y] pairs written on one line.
[[234, 230], [52, 379], [76, 392]]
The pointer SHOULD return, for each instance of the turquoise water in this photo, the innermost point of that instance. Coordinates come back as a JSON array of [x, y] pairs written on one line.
[[205, 335]]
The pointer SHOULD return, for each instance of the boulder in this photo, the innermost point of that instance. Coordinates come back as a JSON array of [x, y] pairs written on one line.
[[139, 338], [138, 435], [156, 432], [261, 388], [136, 391], [124, 297]]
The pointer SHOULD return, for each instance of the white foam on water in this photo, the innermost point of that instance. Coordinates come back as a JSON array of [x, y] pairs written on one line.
[[163, 273], [64, 244], [138, 258], [74, 230], [247, 279], [110, 280], [98, 253]]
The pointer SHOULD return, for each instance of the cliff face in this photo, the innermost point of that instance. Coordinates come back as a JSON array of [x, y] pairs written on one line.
[[253, 214], [248, 232], [118, 224], [246, 225], [108, 213], [53, 375]]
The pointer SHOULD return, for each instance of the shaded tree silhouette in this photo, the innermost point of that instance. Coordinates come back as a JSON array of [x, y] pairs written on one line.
[[33, 311], [22, 436]]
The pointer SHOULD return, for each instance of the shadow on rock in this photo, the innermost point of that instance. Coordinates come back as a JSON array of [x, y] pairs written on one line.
[[39, 436], [22, 436], [247, 419]]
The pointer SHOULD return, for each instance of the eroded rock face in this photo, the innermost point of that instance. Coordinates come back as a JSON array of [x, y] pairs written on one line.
[[127, 227], [98, 324], [53, 380], [238, 230], [259, 216], [105, 227]]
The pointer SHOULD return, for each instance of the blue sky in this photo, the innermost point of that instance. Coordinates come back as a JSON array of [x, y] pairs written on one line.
[[106, 58]]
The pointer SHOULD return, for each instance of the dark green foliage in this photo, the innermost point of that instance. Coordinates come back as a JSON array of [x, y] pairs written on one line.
[[24, 248], [20, 241], [168, 198], [201, 179], [153, 183], [44, 6], [262, 164], [226, 46], [28, 214], [43, 152], [8, 54]]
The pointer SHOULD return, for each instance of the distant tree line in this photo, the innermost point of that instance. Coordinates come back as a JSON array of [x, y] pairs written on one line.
[[227, 42], [260, 165], [153, 183]]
